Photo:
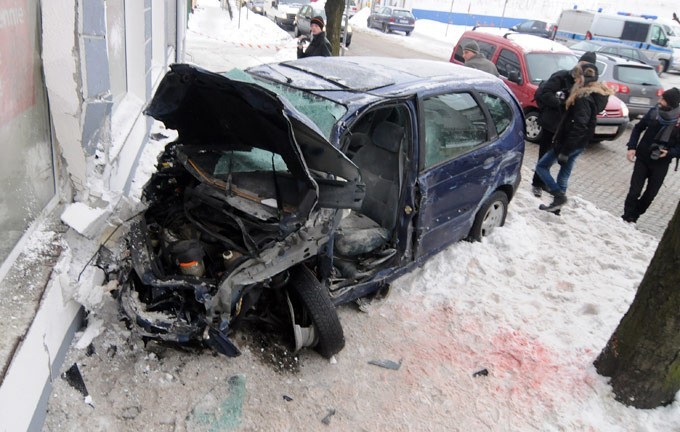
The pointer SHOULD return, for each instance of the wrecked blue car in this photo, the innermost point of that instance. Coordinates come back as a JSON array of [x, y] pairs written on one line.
[[299, 186]]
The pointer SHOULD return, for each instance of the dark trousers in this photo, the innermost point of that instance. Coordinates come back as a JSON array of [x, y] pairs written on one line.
[[544, 144], [653, 174]]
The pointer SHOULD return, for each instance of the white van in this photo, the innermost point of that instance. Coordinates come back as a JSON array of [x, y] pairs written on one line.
[[283, 11], [574, 25]]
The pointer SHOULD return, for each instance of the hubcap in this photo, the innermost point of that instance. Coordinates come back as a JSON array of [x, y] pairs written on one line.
[[532, 126], [492, 218]]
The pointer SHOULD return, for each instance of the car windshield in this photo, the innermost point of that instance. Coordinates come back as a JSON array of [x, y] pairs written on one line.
[[541, 65], [585, 46], [637, 75], [323, 112]]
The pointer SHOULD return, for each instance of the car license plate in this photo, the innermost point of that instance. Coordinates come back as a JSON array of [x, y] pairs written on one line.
[[639, 100], [604, 130], [403, 21]]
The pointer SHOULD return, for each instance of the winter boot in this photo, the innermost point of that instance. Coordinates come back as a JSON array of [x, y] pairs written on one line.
[[560, 199], [537, 191]]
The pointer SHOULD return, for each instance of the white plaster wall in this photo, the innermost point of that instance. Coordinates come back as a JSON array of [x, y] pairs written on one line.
[[63, 81]]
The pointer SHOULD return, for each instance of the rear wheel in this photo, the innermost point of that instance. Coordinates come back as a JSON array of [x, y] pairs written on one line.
[[663, 66], [408, 33], [533, 129], [490, 216], [384, 28], [315, 320]]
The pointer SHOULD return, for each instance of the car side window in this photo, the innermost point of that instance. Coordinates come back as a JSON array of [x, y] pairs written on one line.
[[507, 63], [500, 111], [454, 124]]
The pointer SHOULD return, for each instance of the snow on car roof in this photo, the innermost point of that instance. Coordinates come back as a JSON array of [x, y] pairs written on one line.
[[528, 42]]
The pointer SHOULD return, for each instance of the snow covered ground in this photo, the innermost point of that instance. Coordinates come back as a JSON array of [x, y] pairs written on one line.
[[532, 305]]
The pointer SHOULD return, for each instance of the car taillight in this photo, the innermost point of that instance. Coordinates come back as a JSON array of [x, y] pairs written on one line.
[[618, 88], [391, 19], [659, 92]]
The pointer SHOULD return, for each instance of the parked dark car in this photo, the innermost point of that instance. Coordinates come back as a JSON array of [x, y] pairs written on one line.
[[523, 61], [298, 186], [536, 28], [618, 50], [635, 83], [389, 19], [303, 21]]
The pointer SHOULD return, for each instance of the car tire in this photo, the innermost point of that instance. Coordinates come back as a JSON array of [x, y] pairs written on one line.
[[315, 308], [663, 66], [368, 23], [385, 29], [408, 33], [349, 41], [490, 216], [297, 31], [533, 129]]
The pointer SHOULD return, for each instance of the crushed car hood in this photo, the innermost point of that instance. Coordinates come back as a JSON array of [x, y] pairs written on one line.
[[209, 110]]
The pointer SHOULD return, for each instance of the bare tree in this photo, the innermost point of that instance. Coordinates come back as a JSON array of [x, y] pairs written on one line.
[[642, 357], [334, 10]]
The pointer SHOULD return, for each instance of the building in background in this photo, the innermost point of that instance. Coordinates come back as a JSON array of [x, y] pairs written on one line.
[[75, 76]]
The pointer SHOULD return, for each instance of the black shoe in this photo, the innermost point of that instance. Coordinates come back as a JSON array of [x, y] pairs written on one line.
[[559, 200], [537, 191], [629, 219]]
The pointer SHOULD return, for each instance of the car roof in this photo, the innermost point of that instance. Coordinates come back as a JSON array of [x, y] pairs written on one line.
[[346, 78], [522, 41]]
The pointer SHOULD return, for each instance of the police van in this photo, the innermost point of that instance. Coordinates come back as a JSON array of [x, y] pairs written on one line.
[[641, 32]]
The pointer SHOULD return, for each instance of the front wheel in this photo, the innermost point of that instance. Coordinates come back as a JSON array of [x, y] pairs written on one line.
[[532, 127], [384, 28], [315, 320], [490, 216], [408, 33]]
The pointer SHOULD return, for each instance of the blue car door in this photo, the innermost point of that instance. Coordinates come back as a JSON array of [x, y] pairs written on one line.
[[458, 159]]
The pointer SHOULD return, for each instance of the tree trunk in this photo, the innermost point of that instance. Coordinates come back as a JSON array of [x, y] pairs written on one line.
[[642, 357], [334, 10]]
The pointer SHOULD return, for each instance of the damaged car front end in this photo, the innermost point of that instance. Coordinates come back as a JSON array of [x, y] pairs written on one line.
[[237, 216]]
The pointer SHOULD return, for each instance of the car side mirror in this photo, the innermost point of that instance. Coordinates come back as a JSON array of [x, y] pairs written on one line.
[[513, 76]]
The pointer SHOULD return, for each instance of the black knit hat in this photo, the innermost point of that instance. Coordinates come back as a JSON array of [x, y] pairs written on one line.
[[672, 97], [588, 57], [318, 21]]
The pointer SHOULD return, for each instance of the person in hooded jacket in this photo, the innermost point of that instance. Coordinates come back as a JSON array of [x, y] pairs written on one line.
[[551, 99], [576, 128], [319, 46], [653, 153]]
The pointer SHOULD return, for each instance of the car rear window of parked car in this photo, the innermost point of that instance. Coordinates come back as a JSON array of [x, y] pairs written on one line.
[[637, 75]]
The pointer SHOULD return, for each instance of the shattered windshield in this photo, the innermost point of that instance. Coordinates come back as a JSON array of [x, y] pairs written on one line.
[[323, 112]]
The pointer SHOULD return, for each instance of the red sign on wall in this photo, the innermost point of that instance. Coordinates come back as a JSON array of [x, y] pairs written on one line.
[[16, 60]]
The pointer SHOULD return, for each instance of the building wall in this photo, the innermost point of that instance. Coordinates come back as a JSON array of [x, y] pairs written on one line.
[[101, 61]]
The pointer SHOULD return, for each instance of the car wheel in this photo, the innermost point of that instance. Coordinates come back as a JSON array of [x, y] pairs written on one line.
[[408, 33], [384, 28], [349, 41], [532, 127], [368, 23], [663, 66], [491, 215], [315, 320]]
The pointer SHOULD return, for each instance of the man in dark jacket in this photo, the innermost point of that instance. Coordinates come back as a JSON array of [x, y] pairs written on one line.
[[319, 46], [553, 95], [476, 60], [587, 98], [653, 153]]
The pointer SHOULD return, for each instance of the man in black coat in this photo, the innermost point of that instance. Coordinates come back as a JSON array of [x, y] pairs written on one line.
[[587, 98], [319, 46], [653, 153], [552, 97]]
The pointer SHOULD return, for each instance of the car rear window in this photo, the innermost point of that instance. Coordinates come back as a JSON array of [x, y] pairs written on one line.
[[636, 75], [402, 14], [541, 65]]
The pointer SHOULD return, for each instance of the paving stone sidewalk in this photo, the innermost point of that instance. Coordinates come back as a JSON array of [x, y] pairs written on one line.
[[602, 176]]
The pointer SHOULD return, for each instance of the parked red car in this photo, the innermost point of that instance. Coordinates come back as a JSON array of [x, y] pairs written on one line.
[[523, 61]]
